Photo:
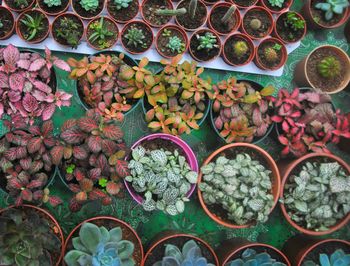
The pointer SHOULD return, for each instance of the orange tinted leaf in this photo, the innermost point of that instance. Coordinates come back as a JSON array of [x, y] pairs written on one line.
[[139, 76], [139, 93], [154, 125], [144, 62], [186, 94], [267, 91]]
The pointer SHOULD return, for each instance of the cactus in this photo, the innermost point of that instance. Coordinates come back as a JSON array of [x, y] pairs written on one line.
[[51, 3], [171, 12], [255, 24], [192, 8], [271, 54], [329, 67], [277, 3], [135, 37], [251, 257], [89, 5], [207, 41], [225, 19], [240, 48], [175, 44], [120, 4]]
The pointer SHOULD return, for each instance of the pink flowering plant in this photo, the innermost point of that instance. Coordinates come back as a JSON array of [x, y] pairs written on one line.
[[26, 86]]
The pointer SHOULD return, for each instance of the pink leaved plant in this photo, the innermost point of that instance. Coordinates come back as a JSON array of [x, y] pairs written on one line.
[[26, 86]]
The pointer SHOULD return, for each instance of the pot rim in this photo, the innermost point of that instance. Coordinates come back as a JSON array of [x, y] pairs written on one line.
[[20, 10], [219, 44], [86, 18], [205, 20], [279, 36], [289, 3], [245, 7], [170, 4], [250, 43], [263, 9], [284, 57], [54, 13], [121, 21]]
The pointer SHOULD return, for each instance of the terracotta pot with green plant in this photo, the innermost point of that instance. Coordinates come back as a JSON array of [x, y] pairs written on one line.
[[19, 5], [154, 12], [257, 23], [205, 45], [271, 54], [244, 3], [53, 7], [277, 6], [238, 50], [102, 33], [171, 40], [87, 9], [195, 16], [290, 27], [7, 23], [136, 37], [326, 68], [122, 11], [224, 18]]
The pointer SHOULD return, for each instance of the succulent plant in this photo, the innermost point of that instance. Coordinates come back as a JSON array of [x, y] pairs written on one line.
[[332, 7], [135, 37], [228, 15], [69, 30], [175, 44], [26, 239], [207, 41], [163, 177], [171, 12], [192, 8], [294, 22], [121, 4], [240, 48], [251, 257], [99, 246], [101, 33], [34, 25], [89, 5], [190, 254], [241, 186], [271, 54], [53, 3], [255, 24], [329, 67], [338, 258], [316, 197], [276, 3]]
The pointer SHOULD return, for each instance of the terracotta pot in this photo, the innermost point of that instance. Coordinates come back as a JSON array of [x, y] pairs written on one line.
[[16, 9], [100, 221], [56, 21], [302, 79], [275, 31], [166, 236], [47, 11], [19, 33], [237, 15], [97, 15], [240, 6], [119, 20], [56, 228], [176, 28], [307, 14], [250, 44], [298, 247], [123, 31], [284, 58], [10, 31], [144, 2], [347, 31], [286, 169], [218, 43], [276, 180], [230, 249], [200, 2], [285, 8], [104, 20], [261, 9]]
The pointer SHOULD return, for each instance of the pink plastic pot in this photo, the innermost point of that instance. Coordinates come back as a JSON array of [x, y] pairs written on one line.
[[189, 154]]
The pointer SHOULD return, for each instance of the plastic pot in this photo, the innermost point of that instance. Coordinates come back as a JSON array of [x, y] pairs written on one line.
[[231, 249], [244, 6], [116, 34], [127, 25], [55, 227], [110, 222], [236, 14], [169, 5], [166, 237], [53, 11], [193, 54], [96, 14], [199, 3], [302, 78], [307, 13], [286, 6], [283, 59], [276, 33], [286, 169], [227, 46], [9, 33], [125, 19], [189, 154], [9, 4], [276, 180], [260, 9]]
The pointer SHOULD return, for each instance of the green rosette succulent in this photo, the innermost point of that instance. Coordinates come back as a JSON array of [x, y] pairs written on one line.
[[53, 3], [89, 5], [250, 257]]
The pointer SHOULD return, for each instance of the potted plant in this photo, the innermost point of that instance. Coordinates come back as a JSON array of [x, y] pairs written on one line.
[[103, 240], [100, 86], [26, 164], [313, 193], [68, 30], [325, 14], [53, 7], [242, 172], [90, 156], [122, 11], [171, 40], [244, 3], [163, 173], [344, 141], [180, 249], [33, 26], [257, 22], [151, 12], [327, 68], [241, 111], [271, 54], [277, 6], [224, 18], [239, 251], [205, 45], [102, 33], [195, 16], [19, 5], [23, 107], [7, 23], [303, 250], [35, 236], [238, 50], [136, 37], [290, 27], [87, 9]]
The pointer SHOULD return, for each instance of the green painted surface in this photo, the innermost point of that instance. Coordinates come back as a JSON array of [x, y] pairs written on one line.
[[204, 141]]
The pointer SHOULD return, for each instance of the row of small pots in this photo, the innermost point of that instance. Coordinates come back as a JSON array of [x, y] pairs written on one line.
[[295, 251]]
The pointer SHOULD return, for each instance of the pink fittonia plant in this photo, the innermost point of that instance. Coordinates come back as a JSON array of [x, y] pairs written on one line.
[[25, 89]]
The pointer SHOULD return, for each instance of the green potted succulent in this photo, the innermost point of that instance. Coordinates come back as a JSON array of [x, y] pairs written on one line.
[[102, 33], [151, 11], [244, 3], [53, 7], [171, 40], [7, 23], [122, 11], [271, 54], [277, 6], [290, 27], [87, 9], [205, 45], [257, 23], [136, 37], [238, 50], [19, 5], [195, 16]]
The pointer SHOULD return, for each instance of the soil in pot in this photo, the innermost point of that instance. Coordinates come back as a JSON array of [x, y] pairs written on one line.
[[146, 41], [244, 3], [53, 9], [257, 23], [276, 8], [27, 33], [156, 144], [87, 14], [158, 252], [68, 30], [6, 22], [290, 27], [204, 54], [123, 14], [238, 50], [171, 42], [270, 54], [217, 16], [326, 248], [326, 84], [149, 9], [189, 22], [110, 35], [318, 15], [22, 6]]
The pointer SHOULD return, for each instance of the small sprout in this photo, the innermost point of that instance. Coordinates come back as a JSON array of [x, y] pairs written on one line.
[[207, 41], [89, 5], [225, 19], [171, 12], [277, 3], [166, 33], [70, 169], [329, 67], [332, 7], [255, 24], [192, 8], [103, 182], [120, 4], [294, 22], [53, 3], [33, 24], [175, 44], [135, 37], [240, 48], [277, 47], [101, 33]]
